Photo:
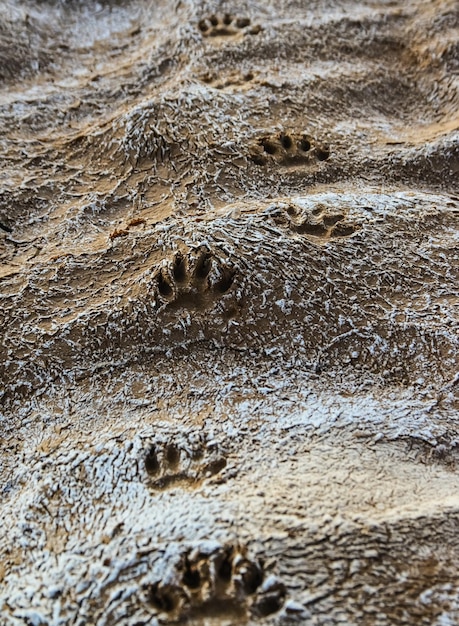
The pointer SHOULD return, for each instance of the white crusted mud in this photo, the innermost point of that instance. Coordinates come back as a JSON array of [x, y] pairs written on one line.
[[321, 276], [229, 311]]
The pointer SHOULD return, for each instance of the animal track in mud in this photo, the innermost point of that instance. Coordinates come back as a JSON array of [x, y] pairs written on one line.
[[169, 464], [233, 79], [194, 280], [321, 222], [226, 26], [288, 149], [217, 581]]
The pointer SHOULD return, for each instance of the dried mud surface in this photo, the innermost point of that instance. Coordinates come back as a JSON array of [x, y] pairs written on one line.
[[229, 309]]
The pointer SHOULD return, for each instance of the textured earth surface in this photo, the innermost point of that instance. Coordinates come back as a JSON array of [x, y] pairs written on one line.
[[229, 292]]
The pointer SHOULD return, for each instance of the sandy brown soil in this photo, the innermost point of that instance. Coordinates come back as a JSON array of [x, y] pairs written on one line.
[[229, 308]]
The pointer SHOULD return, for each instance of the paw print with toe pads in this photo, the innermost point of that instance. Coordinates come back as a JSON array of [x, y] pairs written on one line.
[[226, 25], [323, 224], [231, 80], [171, 463], [286, 148], [194, 280], [216, 579]]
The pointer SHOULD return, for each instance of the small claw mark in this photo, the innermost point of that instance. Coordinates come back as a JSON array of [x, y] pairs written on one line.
[[215, 467], [162, 598], [226, 281], [164, 287], [286, 141], [203, 26], [269, 147], [305, 145], [242, 22], [191, 576], [172, 455], [151, 462], [225, 569], [251, 576], [269, 604], [203, 266], [323, 153], [179, 268]]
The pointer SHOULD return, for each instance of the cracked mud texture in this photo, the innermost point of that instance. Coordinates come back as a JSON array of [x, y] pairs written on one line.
[[229, 291]]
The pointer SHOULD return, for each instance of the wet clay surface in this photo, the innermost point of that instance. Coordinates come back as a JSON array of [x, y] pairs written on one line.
[[229, 309]]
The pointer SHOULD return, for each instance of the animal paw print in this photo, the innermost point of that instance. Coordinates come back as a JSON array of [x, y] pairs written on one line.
[[219, 581], [169, 464], [234, 79], [320, 223], [288, 149], [226, 26], [194, 280]]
